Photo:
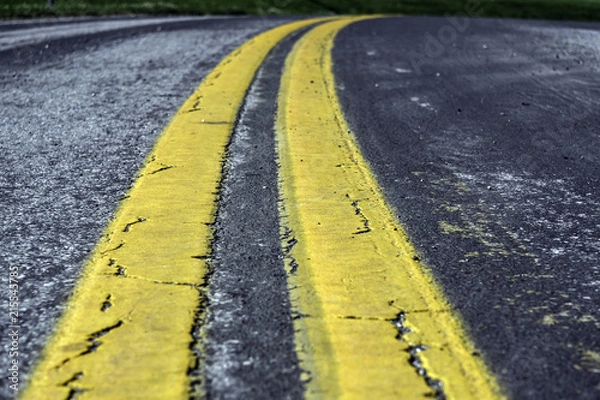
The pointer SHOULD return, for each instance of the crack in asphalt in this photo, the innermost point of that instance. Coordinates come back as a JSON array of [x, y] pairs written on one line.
[[357, 210], [122, 272], [415, 361], [106, 304], [94, 343], [289, 238], [166, 167], [93, 338], [118, 247], [74, 391]]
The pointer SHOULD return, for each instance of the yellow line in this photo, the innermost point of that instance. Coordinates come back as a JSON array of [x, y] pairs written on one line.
[[363, 302], [126, 333]]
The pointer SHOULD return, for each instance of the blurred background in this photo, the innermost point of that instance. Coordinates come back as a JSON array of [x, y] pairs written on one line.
[[582, 10]]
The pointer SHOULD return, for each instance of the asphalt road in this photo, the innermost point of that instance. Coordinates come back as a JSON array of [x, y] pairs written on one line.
[[482, 133]]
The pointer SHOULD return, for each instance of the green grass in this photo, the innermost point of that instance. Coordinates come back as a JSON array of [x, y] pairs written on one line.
[[548, 9]]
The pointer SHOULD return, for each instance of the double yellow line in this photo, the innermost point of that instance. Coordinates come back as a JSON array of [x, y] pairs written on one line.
[[374, 322]]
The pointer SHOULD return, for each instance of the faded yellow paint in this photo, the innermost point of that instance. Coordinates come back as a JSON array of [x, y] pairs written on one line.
[[591, 361], [476, 222], [352, 271], [448, 228], [126, 333]]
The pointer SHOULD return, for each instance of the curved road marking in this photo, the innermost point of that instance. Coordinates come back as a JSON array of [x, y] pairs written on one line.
[[126, 333], [371, 321]]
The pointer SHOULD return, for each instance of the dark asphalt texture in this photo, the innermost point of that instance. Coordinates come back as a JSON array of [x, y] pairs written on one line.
[[249, 332], [487, 143]]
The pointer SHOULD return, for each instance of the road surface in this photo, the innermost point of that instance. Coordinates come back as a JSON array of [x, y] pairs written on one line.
[[477, 138]]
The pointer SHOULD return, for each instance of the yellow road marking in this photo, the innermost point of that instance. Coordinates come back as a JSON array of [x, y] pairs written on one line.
[[126, 333], [352, 271]]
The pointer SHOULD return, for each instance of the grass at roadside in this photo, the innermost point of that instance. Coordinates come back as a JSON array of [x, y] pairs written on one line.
[[547, 9]]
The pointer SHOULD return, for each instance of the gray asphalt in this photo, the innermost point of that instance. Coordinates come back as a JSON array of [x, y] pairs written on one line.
[[485, 135], [250, 351], [482, 133]]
